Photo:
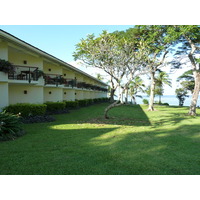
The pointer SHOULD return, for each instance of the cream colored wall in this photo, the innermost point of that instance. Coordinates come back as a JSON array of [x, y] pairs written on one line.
[[54, 68], [16, 94], [3, 95], [3, 51], [17, 57], [86, 95], [55, 96], [68, 74], [79, 95], [79, 77], [3, 77], [69, 96]]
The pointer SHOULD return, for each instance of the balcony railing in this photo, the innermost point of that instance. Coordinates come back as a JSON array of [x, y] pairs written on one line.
[[32, 74], [53, 79], [24, 73]]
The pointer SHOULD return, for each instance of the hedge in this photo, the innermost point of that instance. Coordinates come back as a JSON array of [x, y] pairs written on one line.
[[83, 102], [26, 109], [71, 104], [54, 106]]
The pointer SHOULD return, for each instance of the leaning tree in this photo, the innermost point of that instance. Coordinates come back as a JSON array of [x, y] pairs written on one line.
[[117, 55]]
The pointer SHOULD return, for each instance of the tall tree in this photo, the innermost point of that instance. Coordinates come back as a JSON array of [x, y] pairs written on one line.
[[155, 36], [189, 38]]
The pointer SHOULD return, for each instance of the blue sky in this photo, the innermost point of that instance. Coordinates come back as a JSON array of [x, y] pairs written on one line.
[[58, 40]]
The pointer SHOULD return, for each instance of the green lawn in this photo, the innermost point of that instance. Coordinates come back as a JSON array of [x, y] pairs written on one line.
[[133, 141]]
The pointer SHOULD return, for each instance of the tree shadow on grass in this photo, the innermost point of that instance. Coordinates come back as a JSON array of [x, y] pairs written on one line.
[[103, 151], [123, 115], [174, 151]]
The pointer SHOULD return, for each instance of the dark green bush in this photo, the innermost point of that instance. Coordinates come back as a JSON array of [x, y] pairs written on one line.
[[26, 109], [6, 66], [54, 106], [90, 101], [145, 101], [166, 104], [71, 104], [10, 126], [83, 102]]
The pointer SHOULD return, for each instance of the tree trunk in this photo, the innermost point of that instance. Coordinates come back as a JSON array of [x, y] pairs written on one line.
[[159, 99], [115, 104], [112, 93], [153, 84], [126, 95], [133, 99], [195, 94]]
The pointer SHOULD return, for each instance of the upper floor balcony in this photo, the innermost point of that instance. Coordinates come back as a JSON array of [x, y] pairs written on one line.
[[24, 73]]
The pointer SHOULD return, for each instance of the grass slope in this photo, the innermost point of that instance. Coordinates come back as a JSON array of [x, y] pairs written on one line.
[[133, 141]]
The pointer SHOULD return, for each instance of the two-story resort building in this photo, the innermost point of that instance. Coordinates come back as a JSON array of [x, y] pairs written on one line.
[[39, 77]]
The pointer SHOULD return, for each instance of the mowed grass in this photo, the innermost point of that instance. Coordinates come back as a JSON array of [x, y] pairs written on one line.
[[133, 141]]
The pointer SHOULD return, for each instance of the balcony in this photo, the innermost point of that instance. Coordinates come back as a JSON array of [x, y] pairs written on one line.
[[52, 79], [24, 73]]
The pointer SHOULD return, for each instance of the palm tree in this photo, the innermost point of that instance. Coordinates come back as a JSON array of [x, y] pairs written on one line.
[[161, 80], [137, 85]]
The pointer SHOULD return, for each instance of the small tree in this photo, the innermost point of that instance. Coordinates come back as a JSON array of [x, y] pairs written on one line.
[[137, 85], [161, 80], [181, 93]]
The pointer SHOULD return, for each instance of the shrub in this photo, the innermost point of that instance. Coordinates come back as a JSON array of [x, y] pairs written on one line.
[[166, 104], [71, 104], [55, 106], [38, 119], [26, 109], [145, 101], [90, 101], [83, 102], [10, 126], [6, 66]]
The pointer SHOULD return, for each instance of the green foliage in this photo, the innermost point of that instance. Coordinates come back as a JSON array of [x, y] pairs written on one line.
[[181, 93], [90, 101], [187, 80], [83, 102], [55, 106], [145, 101], [71, 104], [10, 126], [26, 109], [6, 66], [165, 104]]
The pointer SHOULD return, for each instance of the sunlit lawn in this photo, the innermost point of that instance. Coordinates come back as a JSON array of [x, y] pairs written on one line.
[[133, 141]]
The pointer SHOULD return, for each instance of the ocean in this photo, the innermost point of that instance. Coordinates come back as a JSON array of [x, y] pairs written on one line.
[[170, 99]]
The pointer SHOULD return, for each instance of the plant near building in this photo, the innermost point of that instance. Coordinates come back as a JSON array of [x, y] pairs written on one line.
[[55, 106], [10, 126], [26, 109], [6, 66], [71, 104]]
